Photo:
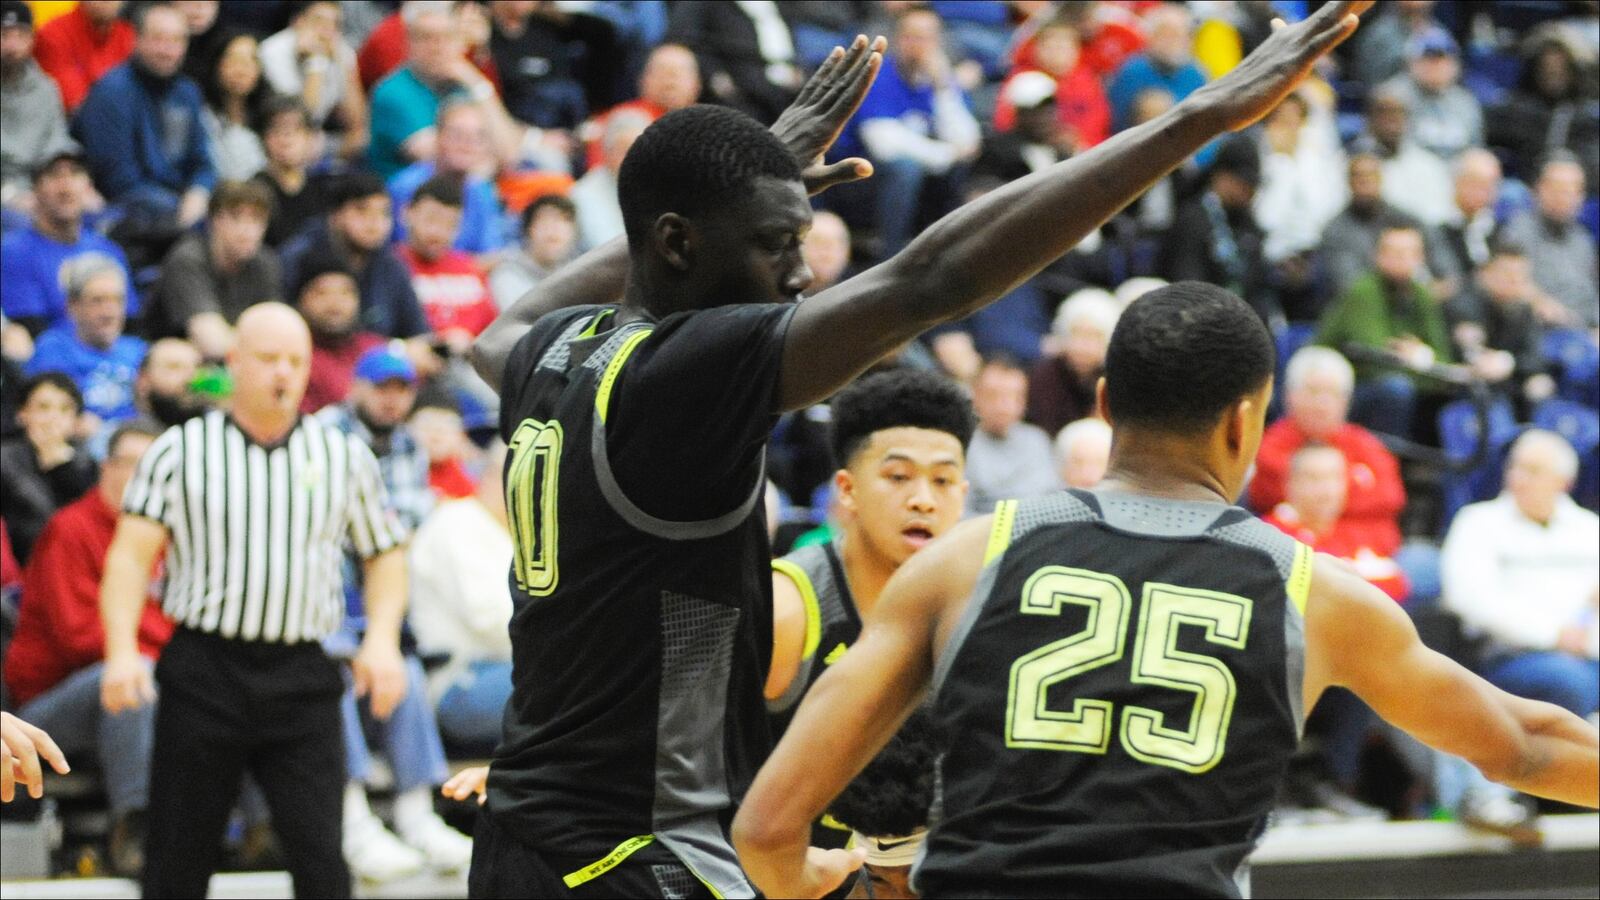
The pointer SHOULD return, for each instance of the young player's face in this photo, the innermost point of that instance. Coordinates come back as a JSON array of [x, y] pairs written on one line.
[[905, 488]]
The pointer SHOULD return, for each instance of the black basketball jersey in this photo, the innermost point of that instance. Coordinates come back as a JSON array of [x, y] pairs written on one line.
[[1123, 695], [640, 637], [832, 625]]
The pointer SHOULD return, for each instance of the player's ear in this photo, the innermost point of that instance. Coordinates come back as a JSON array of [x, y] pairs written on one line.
[[844, 484], [674, 240], [1101, 407], [1237, 423]]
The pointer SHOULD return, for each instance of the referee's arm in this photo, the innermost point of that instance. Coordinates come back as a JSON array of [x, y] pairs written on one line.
[[379, 539], [125, 682]]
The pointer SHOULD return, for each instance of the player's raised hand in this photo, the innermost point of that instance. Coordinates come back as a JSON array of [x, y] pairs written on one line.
[[825, 103], [1265, 77]]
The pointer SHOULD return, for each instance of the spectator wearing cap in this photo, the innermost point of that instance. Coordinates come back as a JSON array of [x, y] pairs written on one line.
[[549, 239], [1379, 48], [1445, 118], [326, 294], [1035, 137], [1166, 62], [53, 665], [1080, 103], [1062, 384], [1215, 237], [1414, 179], [209, 279], [1562, 253], [77, 48], [381, 397], [31, 257], [357, 227], [142, 131], [32, 125], [92, 349], [44, 469]]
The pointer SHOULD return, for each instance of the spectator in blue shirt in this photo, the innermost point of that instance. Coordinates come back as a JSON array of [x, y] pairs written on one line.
[[914, 125], [1167, 62], [91, 349], [463, 151], [141, 129], [31, 257]]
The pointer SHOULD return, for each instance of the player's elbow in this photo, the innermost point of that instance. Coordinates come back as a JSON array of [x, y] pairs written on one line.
[[757, 832]]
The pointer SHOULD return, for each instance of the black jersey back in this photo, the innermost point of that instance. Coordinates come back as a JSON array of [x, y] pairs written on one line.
[[640, 636], [1125, 692]]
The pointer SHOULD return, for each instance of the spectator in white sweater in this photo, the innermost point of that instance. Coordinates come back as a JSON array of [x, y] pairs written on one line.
[[1524, 571], [460, 607]]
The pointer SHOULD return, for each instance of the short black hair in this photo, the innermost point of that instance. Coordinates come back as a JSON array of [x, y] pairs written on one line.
[[694, 160], [1183, 353], [548, 201], [449, 190], [354, 187], [898, 398], [890, 797], [278, 105], [131, 427], [59, 380], [999, 359], [319, 261]]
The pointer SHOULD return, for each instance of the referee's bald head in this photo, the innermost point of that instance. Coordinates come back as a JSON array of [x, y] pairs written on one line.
[[270, 361]]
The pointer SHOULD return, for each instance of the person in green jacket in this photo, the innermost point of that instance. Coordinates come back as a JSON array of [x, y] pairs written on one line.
[[1389, 308]]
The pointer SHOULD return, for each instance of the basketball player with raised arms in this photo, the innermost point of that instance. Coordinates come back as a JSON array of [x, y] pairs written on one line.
[[642, 611], [1124, 672]]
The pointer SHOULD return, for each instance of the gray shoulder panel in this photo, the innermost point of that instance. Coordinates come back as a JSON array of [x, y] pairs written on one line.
[[1056, 508], [1258, 535]]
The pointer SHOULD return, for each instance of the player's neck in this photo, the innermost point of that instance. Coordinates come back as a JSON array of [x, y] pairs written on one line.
[[865, 571], [1164, 468]]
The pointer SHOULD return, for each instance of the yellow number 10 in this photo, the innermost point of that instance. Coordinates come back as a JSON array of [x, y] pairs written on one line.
[[531, 480], [1086, 728]]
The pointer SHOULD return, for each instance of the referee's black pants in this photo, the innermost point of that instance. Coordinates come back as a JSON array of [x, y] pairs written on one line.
[[226, 707]]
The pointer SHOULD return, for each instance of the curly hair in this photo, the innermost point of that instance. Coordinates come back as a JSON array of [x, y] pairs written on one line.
[[694, 160], [894, 399], [890, 797]]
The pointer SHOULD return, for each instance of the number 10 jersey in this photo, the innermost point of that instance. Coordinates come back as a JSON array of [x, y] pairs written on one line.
[[1126, 687]]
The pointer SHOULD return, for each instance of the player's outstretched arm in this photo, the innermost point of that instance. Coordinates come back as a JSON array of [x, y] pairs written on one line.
[[977, 253], [808, 128], [1357, 638], [847, 717]]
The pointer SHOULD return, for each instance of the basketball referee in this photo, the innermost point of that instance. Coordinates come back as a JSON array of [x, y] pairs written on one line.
[[254, 507]]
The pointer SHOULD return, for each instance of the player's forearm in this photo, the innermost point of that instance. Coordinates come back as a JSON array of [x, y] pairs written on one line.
[[595, 277], [1561, 757], [987, 247], [385, 580]]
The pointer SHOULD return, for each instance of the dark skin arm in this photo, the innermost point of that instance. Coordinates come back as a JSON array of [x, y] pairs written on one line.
[[979, 252], [808, 128]]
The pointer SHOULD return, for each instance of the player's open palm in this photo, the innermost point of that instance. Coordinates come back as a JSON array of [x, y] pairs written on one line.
[[819, 112], [1265, 77]]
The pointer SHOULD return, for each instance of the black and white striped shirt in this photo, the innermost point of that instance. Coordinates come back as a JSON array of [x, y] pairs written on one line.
[[257, 533]]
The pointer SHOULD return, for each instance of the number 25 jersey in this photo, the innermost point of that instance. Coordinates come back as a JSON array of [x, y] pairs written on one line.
[[1126, 688]]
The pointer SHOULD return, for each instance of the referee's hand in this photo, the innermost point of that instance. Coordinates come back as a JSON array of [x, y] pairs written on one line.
[[379, 671], [125, 683], [21, 746]]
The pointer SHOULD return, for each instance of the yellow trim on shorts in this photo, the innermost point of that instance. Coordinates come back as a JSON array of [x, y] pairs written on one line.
[[1299, 583], [611, 860], [808, 596], [1005, 514], [602, 397]]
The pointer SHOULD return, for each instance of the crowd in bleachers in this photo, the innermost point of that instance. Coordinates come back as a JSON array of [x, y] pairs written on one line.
[[1417, 224]]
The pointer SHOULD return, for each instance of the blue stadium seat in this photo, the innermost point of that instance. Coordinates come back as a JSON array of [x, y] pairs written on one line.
[[1589, 216], [1580, 425], [1460, 436], [1578, 362]]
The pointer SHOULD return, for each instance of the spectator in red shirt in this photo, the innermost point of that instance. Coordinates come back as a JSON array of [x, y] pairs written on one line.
[[1313, 513], [77, 48], [670, 80], [451, 288], [1081, 105], [329, 300], [54, 664], [1318, 384]]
